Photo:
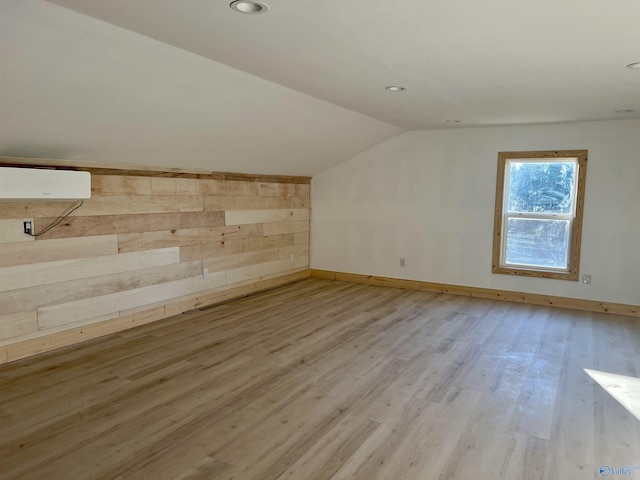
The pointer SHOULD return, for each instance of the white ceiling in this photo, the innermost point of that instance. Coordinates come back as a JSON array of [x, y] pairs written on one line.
[[78, 87], [483, 62]]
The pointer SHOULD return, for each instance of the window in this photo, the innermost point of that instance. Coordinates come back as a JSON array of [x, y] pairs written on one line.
[[538, 220]]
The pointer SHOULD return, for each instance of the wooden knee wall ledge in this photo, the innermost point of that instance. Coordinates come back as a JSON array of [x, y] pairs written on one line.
[[489, 293]]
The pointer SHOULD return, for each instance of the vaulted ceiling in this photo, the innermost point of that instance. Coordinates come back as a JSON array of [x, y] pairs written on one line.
[[296, 90]]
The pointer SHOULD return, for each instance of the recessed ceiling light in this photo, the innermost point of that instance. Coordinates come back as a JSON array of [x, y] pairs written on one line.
[[634, 66], [624, 110], [452, 121], [395, 88], [250, 7]]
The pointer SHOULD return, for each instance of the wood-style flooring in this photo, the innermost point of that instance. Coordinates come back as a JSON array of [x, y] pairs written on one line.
[[331, 380]]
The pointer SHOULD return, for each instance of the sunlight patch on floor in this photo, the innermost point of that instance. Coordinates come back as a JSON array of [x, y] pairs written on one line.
[[625, 389]]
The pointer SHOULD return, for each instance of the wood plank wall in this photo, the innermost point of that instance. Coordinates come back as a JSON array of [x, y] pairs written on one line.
[[144, 247]]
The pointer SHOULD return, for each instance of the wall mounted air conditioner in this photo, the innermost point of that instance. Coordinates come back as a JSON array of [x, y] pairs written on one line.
[[19, 184]]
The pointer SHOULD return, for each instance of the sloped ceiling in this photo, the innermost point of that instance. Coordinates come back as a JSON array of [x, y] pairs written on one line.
[[74, 87], [300, 88]]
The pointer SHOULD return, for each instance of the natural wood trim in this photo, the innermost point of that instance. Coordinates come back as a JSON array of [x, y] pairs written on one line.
[[576, 230], [46, 343], [510, 296], [141, 170]]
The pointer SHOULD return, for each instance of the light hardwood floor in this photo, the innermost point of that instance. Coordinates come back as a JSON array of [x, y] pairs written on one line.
[[330, 380]]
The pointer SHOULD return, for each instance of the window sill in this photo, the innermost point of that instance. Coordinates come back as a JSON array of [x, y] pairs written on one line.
[[539, 273]]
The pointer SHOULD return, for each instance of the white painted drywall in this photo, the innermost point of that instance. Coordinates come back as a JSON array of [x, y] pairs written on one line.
[[429, 196]]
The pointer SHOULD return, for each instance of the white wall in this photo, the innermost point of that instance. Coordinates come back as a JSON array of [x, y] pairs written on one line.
[[429, 196]]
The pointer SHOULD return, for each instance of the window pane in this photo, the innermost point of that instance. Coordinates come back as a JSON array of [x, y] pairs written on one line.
[[541, 187], [537, 243]]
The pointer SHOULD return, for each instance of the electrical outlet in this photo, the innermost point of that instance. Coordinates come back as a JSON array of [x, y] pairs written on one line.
[[402, 262], [205, 273], [586, 279], [291, 257], [28, 227]]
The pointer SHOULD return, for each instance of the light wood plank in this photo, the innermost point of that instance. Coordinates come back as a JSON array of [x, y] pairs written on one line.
[[17, 324], [295, 250], [106, 205], [40, 251], [226, 187], [12, 230], [220, 203], [178, 186], [86, 310], [127, 204], [283, 189], [12, 301], [300, 238], [120, 185], [18, 210], [131, 242], [227, 262], [262, 269], [132, 223], [278, 228], [250, 287], [31, 275], [232, 246], [240, 217]]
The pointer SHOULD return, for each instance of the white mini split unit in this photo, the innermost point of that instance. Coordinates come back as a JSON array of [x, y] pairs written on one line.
[[20, 184]]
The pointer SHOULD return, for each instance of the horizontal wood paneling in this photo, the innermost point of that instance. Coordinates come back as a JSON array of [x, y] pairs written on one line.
[[23, 253], [189, 236], [136, 223], [17, 324], [216, 264], [277, 228], [137, 251], [125, 204], [120, 184], [240, 217], [509, 296], [12, 230], [232, 247], [296, 250], [106, 305], [283, 190], [218, 203], [88, 287], [263, 269], [35, 209], [301, 238], [31, 275]]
